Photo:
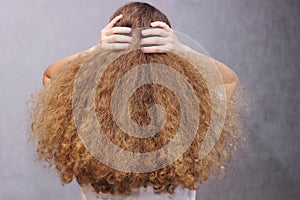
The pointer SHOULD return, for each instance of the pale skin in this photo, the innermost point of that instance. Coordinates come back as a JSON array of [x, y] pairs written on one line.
[[165, 37]]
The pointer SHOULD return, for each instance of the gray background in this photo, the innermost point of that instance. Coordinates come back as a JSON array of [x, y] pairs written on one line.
[[258, 39]]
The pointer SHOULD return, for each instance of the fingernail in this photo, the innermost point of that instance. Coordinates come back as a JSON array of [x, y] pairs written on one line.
[[120, 15]]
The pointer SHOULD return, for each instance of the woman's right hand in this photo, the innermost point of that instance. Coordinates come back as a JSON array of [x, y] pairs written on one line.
[[111, 37]]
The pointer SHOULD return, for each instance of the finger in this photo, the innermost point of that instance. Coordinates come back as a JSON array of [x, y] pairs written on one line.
[[118, 38], [155, 31], [115, 30], [115, 46], [153, 40], [114, 21], [161, 25], [155, 49]]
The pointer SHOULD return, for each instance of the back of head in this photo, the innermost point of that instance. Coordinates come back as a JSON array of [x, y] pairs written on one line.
[[139, 15], [60, 144]]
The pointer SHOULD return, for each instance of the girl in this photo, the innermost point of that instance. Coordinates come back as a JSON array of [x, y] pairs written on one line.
[[59, 143]]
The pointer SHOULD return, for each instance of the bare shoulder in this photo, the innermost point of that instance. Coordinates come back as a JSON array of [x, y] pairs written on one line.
[[56, 66], [226, 72], [230, 78]]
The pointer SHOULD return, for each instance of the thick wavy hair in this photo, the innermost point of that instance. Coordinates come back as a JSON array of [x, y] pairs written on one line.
[[58, 143]]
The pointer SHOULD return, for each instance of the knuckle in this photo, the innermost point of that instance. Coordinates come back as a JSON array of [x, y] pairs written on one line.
[[114, 29], [160, 32], [103, 46], [156, 40], [113, 38], [112, 46]]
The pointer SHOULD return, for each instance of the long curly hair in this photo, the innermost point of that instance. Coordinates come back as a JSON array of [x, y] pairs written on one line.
[[53, 126]]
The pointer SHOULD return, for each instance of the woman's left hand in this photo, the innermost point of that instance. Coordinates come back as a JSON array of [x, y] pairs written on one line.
[[163, 37]]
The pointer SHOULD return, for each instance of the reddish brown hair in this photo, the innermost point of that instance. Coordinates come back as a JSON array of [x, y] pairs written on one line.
[[138, 15], [53, 127]]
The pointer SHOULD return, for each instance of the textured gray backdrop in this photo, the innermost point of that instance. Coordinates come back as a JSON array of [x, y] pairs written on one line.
[[256, 38]]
